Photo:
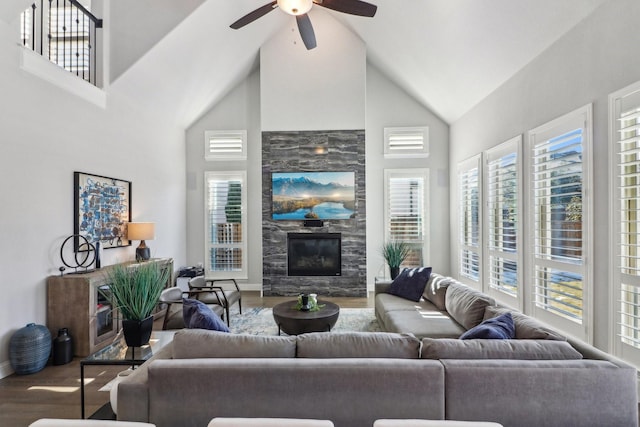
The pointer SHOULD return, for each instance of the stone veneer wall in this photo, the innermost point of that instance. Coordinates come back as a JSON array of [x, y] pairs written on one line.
[[296, 151]]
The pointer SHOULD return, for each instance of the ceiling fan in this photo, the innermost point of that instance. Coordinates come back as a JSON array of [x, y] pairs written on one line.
[[299, 9]]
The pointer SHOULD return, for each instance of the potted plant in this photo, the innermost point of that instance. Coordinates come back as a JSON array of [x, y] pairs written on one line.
[[134, 290], [394, 253]]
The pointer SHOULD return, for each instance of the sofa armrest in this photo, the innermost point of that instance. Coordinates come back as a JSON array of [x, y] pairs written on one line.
[[133, 391], [382, 286]]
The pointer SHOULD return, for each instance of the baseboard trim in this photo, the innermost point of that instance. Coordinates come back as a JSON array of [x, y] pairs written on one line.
[[251, 287], [5, 369]]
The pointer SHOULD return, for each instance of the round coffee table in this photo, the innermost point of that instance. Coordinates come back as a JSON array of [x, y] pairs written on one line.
[[295, 322]]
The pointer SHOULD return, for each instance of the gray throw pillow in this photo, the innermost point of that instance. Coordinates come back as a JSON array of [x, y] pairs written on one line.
[[444, 348], [466, 305], [526, 327]]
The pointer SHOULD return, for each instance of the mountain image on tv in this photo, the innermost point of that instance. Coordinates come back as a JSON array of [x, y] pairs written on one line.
[[313, 195]]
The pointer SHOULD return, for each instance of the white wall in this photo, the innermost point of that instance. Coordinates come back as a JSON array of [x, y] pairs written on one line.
[[596, 58], [131, 38], [45, 135], [319, 89], [390, 106], [240, 109]]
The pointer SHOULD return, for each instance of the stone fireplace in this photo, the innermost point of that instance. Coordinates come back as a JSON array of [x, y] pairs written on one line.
[[314, 151]]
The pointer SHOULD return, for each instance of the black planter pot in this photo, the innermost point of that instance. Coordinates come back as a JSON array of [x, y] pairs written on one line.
[[137, 332], [394, 272]]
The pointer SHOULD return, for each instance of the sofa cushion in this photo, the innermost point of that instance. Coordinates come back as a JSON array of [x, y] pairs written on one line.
[[197, 315], [410, 283], [436, 290], [388, 302], [498, 349], [526, 327], [466, 305], [423, 323], [497, 328], [197, 343], [358, 344]]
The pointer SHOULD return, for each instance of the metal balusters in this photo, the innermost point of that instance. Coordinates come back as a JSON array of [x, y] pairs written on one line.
[[71, 35]]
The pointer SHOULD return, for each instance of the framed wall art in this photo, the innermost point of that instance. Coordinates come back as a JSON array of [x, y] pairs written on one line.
[[102, 209]]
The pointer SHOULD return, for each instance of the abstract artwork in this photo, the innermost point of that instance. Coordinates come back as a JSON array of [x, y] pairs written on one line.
[[102, 208]]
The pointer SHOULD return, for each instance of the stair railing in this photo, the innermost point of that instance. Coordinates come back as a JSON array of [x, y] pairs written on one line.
[[65, 32]]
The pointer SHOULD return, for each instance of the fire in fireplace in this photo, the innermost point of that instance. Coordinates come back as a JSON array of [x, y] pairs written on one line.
[[314, 254]]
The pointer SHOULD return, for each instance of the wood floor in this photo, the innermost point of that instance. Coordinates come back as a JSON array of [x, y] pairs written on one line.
[[54, 392]]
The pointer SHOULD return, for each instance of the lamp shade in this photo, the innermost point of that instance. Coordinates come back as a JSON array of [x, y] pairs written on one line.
[[141, 230]]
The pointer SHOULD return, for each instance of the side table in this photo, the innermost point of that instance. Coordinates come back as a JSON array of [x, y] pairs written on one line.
[[118, 353]]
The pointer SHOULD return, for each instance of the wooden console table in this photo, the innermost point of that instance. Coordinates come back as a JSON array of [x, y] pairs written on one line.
[[73, 302]]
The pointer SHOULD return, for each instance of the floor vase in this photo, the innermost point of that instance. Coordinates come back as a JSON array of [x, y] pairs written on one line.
[[29, 349]]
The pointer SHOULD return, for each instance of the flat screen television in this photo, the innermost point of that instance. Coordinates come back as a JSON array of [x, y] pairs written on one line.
[[313, 195]]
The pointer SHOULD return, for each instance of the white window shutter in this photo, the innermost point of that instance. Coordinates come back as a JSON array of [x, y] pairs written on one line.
[[469, 218], [226, 244], [625, 145], [406, 142], [406, 212], [503, 194], [225, 145], [559, 185]]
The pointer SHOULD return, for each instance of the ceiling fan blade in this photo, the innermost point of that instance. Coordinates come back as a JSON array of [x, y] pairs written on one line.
[[352, 7], [252, 16], [306, 31]]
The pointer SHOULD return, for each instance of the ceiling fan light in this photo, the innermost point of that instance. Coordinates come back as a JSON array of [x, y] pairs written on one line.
[[295, 7]]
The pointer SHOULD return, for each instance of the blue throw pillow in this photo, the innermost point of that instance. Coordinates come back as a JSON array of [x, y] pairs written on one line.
[[197, 315], [410, 283], [497, 328]]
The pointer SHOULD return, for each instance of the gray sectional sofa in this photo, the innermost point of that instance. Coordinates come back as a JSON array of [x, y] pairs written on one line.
[[539, 378], [355, 378]]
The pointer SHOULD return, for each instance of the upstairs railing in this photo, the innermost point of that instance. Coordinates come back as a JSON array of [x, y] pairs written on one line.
[[65, 32]]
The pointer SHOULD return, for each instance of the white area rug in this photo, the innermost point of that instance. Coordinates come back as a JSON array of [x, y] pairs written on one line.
[[259, 321]]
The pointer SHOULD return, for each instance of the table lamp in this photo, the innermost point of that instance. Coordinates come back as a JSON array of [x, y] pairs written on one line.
[[141, 231]]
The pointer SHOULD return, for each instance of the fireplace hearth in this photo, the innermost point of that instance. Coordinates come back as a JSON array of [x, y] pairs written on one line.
[[314, 254]]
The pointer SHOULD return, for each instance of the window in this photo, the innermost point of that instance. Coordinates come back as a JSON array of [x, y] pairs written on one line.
[[624, 108], [559, 185], [406, 142], [405, 211], [225, 145], [226, 225], [504, 224], [469, 219]]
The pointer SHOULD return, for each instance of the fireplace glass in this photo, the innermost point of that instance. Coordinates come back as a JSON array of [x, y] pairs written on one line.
[[314, 254]]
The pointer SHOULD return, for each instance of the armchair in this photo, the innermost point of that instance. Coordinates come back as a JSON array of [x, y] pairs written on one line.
[[172, 297], [227, 297]]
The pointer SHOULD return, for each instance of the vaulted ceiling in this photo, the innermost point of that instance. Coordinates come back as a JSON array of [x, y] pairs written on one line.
[[447, 54]]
